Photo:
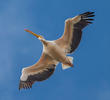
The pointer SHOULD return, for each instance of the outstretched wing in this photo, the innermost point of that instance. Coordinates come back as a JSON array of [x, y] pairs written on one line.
[[73, 31], [42, 70]]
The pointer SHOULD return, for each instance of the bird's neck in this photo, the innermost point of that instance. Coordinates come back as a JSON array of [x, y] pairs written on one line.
[[44, 41]]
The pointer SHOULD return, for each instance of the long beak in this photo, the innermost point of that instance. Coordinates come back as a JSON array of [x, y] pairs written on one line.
[[32, 33]]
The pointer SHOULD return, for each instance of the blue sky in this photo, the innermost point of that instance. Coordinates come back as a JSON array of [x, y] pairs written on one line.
[[90, 77]]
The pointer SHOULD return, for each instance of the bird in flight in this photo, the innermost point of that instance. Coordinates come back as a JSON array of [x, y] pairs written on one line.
[[56, 51]]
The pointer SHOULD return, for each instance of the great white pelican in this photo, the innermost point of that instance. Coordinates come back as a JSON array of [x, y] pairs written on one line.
[[56, 51]]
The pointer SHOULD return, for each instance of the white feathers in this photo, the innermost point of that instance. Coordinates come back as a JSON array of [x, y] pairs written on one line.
[[24, 75], [66, 66], [70, 59]]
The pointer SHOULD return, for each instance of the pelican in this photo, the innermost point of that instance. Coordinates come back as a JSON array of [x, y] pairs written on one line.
[[56, 51]]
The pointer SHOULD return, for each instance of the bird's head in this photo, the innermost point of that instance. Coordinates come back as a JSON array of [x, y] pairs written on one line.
[[41, 38]]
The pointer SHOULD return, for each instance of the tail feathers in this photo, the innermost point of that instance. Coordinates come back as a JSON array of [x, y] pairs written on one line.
[[70, 59], [64, 66]]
